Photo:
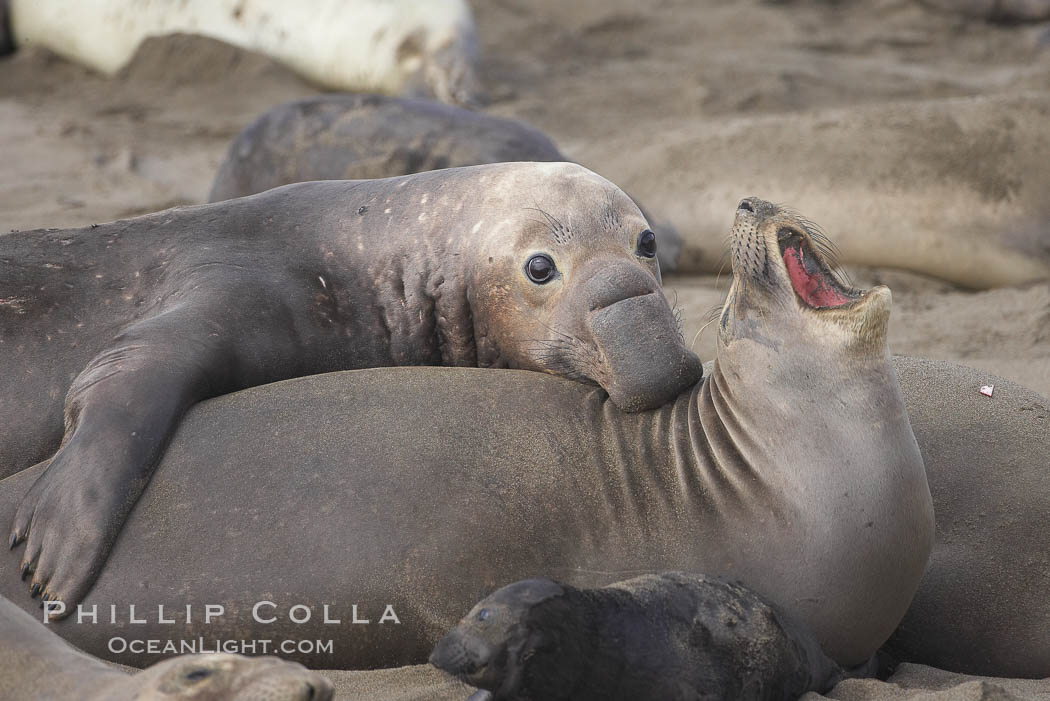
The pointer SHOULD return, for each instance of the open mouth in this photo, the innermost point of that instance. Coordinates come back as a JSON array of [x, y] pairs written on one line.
[[814, 283]]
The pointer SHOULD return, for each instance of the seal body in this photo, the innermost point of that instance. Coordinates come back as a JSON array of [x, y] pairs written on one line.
[[332, 137], [37, 664], [668, 636], [425, 491], [109, 333], [896, 183], [7, 42], [997, 10], [982, 606], [394, 46]]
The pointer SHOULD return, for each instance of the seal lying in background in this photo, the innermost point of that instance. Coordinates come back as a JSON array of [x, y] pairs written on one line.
[[391, 46], [540, 266], [958, 189], [331, 137], [792, 467], [36, 664], [997, 10], [7, 42], [651, 638]]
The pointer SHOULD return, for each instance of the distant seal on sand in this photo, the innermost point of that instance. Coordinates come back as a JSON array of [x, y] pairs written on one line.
[[114, 331], [954, 188], [391, 46], [7, 42], [37, 664], [792, 468], [335, 137], [982, 607], [651, 638], [997, 10]]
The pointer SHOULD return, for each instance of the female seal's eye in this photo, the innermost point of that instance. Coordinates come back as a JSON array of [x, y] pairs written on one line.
[[198, 674], [483, 615], [540, 268], [647, 244]]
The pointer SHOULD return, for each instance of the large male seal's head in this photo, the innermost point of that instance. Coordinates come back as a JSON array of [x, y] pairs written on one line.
[[568, 283], [784, 287], [490, 647], [223, 677]]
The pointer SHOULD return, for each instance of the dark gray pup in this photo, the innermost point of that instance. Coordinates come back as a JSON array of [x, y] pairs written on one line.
[[109, 333], [662, 637], [360, 136]]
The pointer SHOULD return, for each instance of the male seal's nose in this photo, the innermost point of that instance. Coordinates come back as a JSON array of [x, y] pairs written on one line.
[[746, 206]]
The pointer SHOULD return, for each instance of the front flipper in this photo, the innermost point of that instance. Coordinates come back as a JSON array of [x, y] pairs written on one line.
[[120, 412]]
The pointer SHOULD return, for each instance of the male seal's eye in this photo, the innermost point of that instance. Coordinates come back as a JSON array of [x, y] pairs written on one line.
[[540, 268], [483, 615], [198, 674], [647, 244]]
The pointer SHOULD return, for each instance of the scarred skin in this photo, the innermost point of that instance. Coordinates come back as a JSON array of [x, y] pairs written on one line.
[[37, 664], [792, 468], [108, 334], [357, 136]]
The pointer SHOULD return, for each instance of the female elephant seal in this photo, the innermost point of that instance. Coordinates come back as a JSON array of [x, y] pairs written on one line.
[[667, 637], [393, 46], [540, 266], [332, 137], [37, 664], [954, 188], [792, 468]]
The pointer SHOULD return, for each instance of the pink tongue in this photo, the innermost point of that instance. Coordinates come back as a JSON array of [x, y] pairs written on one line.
[[813, 289]]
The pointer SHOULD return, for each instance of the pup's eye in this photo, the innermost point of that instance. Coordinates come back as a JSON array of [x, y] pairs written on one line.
[[540, 268], [647, 244], [197, 674], [483, 614]]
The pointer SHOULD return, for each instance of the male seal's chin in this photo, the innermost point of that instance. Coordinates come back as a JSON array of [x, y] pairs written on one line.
[[643, 360]]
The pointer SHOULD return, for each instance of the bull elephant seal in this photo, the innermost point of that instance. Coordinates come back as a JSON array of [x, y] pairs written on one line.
[[958, 189], [37, 664], [982, 607], [332, 137], [792, 468], [391, 46], [651, 638], [540, 266]]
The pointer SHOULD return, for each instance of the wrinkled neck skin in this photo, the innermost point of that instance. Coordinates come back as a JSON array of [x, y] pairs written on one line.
[[803, 411]]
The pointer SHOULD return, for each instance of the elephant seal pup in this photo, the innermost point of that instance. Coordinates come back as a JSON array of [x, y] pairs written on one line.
[[391, 46], [656, 637], [982, 607], [792, 468], [958, 189], [37, 664], [332, 137], [540, 266]]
